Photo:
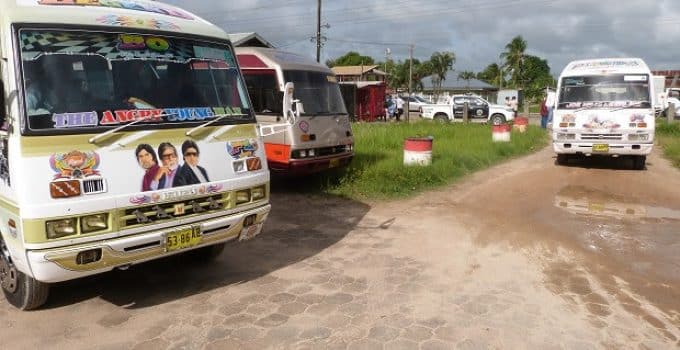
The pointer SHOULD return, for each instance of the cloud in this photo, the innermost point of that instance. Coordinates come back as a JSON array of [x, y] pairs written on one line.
[[477, 31]]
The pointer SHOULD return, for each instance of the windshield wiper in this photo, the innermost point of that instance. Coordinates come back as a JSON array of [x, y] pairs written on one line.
[[94, 139], [219, 117]]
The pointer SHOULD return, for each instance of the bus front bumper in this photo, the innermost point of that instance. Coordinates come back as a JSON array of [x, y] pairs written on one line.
[[310, 166], [612, 149], [67, 263]]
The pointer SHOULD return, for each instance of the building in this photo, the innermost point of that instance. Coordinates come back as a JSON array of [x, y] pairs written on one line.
[[251, 39], [359, 73], [452, 85], [672, 77]]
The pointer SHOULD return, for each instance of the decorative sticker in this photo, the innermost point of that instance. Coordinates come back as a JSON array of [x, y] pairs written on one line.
[[254, 163], [242, 149], [127, 21], [123, 4], [138, 42], [75, 165], [637, 118], [568, 118], [163, 170], [597, 122], [304, 126]]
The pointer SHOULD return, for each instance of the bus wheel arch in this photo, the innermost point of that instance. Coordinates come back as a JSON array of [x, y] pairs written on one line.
[[21, 290]]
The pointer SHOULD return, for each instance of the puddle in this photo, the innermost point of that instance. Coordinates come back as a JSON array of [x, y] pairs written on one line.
[[584, 201]]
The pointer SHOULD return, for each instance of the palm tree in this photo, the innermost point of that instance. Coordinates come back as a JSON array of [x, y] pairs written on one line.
[[467, 76], [514, 58], [441, 63]]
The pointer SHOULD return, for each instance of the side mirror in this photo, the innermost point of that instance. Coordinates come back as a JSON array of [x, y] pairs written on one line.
[[288, 112], [3, 107]]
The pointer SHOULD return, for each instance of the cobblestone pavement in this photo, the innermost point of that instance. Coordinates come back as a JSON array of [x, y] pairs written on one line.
[[461, 268]]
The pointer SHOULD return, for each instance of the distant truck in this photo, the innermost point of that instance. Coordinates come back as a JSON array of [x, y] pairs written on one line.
[[604, 107], [479, 110]]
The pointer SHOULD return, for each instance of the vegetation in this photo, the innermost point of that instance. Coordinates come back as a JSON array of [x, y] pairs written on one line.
[[377, 171], [668, 136], [351, 58], [467, 76]]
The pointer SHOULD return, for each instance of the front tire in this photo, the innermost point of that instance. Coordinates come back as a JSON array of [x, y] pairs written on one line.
[[497, 119], [442, 118], [639, 162], [562, 159], [21, 291]]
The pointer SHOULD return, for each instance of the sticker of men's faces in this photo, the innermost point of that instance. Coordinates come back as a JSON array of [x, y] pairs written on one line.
[[169, 173]]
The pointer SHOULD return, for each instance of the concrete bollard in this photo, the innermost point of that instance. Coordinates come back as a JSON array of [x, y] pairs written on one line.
[[521, 124], [418, 151], [500, 133]]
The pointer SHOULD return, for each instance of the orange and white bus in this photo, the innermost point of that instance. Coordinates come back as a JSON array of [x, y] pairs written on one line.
[[316, 135], [127, 136]]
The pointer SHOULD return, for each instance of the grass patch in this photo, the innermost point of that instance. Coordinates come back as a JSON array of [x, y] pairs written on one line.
[[377, 171], [668, 136]]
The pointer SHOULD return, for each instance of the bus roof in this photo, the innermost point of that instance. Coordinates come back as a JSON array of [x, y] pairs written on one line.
[[140, 14], [266, 58], [602, 66]]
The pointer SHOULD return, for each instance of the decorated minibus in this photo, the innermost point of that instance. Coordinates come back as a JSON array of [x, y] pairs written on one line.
[[299, 106], [127, 136], [604, 107]]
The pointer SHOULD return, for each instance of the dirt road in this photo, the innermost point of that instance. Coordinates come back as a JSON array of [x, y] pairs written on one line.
[[524, 255]]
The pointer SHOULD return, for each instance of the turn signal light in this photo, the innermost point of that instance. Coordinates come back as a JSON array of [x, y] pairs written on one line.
[[89, 256], [642, 125], [563, 125], [65, 189]]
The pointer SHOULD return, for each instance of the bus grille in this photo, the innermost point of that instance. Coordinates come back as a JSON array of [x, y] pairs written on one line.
[[93, 186], [327, 151], [595, 137], [171, 210]]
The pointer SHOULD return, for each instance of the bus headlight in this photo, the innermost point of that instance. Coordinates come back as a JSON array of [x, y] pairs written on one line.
[[638, 137], [242, 196], [96, 222], [60, 228], [563, 136], [311, 152], [258, 193]]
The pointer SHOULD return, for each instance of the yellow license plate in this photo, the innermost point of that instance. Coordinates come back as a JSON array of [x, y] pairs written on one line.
[[182, 239], [600, 148], [334, 163]]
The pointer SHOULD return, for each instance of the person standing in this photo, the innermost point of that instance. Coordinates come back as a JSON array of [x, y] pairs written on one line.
[[400, 107], [550, 103], [544, 114]]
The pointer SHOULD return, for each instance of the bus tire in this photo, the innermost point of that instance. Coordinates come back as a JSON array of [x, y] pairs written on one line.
[[639, 162], [562, 159], [497, 119], [21, 291], [209, 253]]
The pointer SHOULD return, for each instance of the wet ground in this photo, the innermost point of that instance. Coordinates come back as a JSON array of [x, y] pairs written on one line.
[[525, 255]]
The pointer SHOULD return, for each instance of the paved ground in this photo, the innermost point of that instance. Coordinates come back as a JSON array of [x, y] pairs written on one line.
[[524, 255]]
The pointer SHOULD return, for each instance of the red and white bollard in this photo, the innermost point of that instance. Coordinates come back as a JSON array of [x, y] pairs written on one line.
[[500, 133], [418, 151], [521, 124]]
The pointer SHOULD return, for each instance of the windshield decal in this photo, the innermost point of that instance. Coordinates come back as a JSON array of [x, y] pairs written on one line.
[[75, 164], [127, 21], [122, 4], [75, 120], [138, 42], [598, 122], [117, 117]]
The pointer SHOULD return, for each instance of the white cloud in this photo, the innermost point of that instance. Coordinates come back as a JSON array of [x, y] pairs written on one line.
[[477, 31]]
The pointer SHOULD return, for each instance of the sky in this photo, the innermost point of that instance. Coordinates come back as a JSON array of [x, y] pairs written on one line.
[[475, 30]]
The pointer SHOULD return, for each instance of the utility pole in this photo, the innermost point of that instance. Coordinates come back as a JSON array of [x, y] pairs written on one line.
[[410, 82], [318, 31]]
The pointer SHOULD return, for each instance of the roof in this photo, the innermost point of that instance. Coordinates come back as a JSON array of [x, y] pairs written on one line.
[[251, 39], [356, 70], [452, 82], [362, 84], [606, 66], [141, 14], [271, 58]]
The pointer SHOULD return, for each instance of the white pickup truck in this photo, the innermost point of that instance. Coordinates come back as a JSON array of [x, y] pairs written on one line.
[[479, 110]]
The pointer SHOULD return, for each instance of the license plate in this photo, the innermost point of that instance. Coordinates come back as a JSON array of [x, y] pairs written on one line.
[[600, 148], [334, 163], [182, 239], [249, 232]]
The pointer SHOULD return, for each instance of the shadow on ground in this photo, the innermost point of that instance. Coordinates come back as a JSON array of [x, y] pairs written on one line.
[[299, 227], [602, 162]]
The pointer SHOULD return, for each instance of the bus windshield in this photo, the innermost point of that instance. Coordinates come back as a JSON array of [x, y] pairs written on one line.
[[91, 81], [319, 92], [616, 90]]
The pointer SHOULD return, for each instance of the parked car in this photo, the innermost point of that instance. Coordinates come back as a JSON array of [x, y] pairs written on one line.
[[415, 102], [479, 109]]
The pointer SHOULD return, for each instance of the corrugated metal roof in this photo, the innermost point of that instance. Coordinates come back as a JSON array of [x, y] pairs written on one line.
[[355, 70]]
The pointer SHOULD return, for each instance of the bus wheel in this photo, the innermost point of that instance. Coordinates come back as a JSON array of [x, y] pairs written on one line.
[[209, 253], [22, 291], [639, 162], [497, 119], [562, 159]]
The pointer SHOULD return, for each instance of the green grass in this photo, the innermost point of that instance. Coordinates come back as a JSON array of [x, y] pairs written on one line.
[[668, 136], [377, 171]]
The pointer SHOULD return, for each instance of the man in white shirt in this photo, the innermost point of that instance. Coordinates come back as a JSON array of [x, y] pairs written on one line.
[[400, 107], [550, 103]]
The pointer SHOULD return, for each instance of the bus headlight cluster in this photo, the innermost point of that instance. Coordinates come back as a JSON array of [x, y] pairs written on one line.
[[304, 153], [96, 222], [61, 228], [349, 148], [563, 136], [258, 193], [67, 227]]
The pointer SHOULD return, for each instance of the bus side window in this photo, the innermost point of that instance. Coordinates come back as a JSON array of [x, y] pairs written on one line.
[[3, 108]]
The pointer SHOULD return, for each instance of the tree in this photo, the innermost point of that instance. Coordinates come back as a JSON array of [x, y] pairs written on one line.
[[492, 74], [351, 58], [536, 77], [440, 63], [467, 76], [513, 58]]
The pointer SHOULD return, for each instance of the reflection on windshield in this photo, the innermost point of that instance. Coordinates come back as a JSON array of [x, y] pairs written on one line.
[[79, 80], [319, 92], [611, 91]]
